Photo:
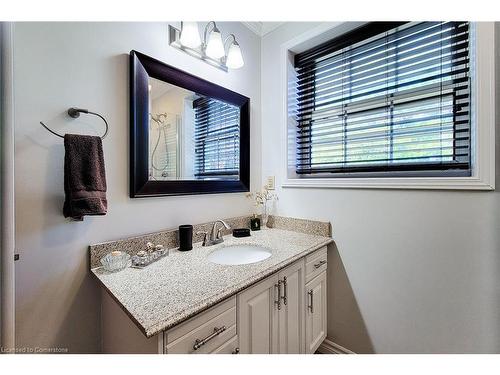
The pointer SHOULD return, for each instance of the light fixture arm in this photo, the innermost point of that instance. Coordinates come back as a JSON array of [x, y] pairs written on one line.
[[206, 32], [226, 46]]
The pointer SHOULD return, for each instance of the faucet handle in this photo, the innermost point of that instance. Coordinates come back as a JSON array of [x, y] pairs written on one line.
[[205, 237]]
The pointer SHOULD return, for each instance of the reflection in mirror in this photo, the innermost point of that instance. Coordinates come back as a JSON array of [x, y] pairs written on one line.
[[191, 137]]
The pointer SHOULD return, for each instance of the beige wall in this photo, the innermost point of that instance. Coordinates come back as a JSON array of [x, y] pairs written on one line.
[[412, 271], [59, 65]]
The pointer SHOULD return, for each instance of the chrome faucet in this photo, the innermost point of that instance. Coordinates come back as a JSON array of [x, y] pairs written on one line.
[[215, 235]]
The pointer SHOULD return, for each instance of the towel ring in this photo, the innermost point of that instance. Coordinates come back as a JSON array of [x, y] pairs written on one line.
[[75, 113]]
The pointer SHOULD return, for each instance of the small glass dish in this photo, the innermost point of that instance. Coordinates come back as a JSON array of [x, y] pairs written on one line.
[[161, 252], [115, 261]]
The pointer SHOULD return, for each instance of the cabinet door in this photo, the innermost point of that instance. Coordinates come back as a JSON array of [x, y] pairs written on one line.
[[257, 318], [315, 312], [291, 315]]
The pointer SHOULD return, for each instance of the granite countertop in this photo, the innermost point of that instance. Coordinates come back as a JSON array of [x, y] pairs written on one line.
[[183, 284]]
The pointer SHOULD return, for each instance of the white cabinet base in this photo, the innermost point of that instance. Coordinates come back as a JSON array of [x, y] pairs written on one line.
[[120, 335], [280, 314]]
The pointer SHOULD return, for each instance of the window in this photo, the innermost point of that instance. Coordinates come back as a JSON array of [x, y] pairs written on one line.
[[217, 141], [387, 99]]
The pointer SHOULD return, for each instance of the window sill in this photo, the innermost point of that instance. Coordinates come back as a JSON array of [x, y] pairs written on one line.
[[418, 183]]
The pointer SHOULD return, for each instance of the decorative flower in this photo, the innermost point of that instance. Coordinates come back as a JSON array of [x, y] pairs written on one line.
[[262, 197]]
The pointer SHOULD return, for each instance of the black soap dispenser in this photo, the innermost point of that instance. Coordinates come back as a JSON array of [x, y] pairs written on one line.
[[255, 223], [185, 237]]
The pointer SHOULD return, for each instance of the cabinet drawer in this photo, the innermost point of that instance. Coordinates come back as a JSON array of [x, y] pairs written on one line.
[[200, 319], [182, 338], [210, 335], [229, 347], [316, 263]]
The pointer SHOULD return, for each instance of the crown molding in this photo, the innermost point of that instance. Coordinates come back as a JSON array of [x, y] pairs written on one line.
[[256, 27], [262, 28]]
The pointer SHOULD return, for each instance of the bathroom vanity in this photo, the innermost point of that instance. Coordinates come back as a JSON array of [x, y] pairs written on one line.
[[187, 303]]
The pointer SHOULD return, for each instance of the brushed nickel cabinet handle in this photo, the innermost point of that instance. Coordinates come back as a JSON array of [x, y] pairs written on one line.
[[278, 301], [199, 343], [285, 291], [320, 263], [311, 306], [236, 351]]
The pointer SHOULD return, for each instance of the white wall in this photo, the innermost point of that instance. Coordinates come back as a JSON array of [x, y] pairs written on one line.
[[413, 271], [59, 65]]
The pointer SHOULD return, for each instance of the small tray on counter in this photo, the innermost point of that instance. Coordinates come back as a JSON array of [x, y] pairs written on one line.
[[141, 261]]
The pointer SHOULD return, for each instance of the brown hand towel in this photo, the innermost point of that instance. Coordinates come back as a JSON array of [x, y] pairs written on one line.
[[84, 177]]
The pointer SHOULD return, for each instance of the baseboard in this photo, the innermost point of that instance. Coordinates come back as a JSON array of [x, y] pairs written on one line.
[[329, 347]]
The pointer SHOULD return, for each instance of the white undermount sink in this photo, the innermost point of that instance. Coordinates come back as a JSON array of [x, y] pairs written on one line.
[[239, 254]]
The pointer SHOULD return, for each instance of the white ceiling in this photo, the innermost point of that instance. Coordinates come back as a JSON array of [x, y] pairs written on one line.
[[262, 28]]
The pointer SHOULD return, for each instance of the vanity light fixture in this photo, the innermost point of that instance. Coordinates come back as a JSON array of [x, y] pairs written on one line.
[[213, 49], [234, 58], [190, 36]]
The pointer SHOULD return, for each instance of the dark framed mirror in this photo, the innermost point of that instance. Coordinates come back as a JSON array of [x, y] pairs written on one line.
[[187, 135]]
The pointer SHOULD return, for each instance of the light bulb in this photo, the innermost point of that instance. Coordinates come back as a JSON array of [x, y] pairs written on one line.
[[190, 36], [215, 47], [234, 57]]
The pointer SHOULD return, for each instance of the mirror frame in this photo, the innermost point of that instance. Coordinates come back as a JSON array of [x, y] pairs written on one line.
[[141, 68]]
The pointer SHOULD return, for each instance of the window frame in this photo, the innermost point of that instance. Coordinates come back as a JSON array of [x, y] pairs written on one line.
[[482, 54]]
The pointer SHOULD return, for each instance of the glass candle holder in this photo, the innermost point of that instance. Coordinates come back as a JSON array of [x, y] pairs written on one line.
[[115, 261]]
